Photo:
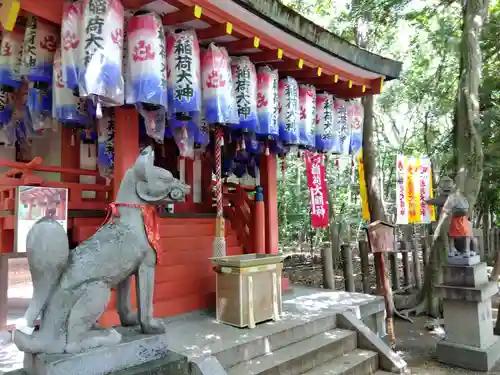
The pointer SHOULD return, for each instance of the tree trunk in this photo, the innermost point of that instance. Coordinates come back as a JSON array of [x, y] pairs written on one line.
[[468, 145]]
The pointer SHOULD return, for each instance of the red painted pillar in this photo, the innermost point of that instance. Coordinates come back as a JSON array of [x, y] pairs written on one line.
[[126, 143], [259, 222], [270, 185]]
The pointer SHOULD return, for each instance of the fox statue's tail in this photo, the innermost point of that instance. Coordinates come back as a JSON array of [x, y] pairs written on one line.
[[47, 249]]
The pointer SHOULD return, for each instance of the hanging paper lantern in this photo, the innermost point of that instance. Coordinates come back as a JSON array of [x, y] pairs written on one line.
[[267, 103], [146, 63], [289, 110], [218, 90], [11, 51], [40, 43], [201, 134], [355, 113], [88, 135], [245, 88], [183, 132], [40, 107], [71, 45], [106, 143], [307, 99], [278, 148], [183, 74], [342, 127], [6, 106], [252, 145], [68, 108], [325, 123], [102, 52], [253, 166]]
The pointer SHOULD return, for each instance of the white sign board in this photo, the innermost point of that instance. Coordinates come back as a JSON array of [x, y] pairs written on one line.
[[34, 203]]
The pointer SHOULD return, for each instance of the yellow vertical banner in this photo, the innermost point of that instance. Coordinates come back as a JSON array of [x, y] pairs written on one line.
[[362, 187], [9, 10], [431, 195], [413, 190]]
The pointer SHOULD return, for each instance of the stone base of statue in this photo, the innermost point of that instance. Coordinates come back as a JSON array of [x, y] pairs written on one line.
[[135, 350], [470, 342], [460, 260]]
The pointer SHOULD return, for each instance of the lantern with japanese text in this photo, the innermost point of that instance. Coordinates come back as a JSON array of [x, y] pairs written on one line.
[[325, 123], [102, 52], [289, 111], [201, 134], [71, 46], [6, 106], [11, 51], [183, 74], [245, 88], [68, 108], [218, 89], [355, 115], [342, 128], [267, 103], [146, 64], [106, 143], [307, 99], [40, 43]]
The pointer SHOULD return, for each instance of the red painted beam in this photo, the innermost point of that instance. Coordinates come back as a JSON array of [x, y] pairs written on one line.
[[266, 56], [241, 45]]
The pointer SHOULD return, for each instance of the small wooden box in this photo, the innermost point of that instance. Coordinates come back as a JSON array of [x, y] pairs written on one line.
[[249, 294], [381, 237]]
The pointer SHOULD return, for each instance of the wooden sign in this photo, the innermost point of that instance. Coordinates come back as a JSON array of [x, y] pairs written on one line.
[[9, 10], [381, 237]]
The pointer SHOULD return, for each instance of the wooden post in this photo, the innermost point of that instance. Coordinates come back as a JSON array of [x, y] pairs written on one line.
[[348, 268], [416, 266], [270, 185], [365, 265], [406, 266], [259, 222], [126, 143], [393, 260]]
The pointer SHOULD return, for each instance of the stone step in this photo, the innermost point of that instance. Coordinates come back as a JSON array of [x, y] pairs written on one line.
[[357, 362], [270, 343], [301, 356]]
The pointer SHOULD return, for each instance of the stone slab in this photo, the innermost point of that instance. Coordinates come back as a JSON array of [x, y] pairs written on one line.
[[468, 323], [475, 294], [469, 357], [467, 276], [135, 349], [464, 261]]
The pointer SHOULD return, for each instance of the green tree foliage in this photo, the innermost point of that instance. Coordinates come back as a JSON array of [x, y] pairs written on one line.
[[415, 114]]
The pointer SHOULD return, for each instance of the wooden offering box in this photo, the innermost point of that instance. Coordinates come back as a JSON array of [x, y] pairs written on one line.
[[248, 288]]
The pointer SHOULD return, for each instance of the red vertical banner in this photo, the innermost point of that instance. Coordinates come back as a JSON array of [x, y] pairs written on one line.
[[316, 183]]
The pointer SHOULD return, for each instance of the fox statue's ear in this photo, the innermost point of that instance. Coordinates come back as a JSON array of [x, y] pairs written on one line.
[[144, 161]]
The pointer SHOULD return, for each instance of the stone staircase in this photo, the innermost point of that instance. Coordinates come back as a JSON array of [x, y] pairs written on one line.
[[332, 352], [334, 344]]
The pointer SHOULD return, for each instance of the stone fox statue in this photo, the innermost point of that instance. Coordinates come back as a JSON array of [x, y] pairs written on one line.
[[72, 288]]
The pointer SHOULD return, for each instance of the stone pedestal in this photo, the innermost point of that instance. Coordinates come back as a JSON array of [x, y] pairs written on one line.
[[470, 342]]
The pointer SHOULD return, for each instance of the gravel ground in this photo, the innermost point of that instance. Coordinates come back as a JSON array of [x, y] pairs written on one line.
[[417, 346]]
